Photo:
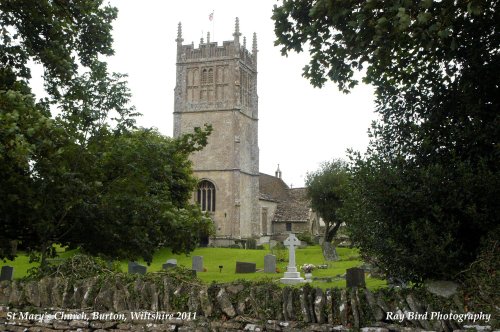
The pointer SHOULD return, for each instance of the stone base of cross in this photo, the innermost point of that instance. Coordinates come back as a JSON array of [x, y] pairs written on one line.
[[291, 275]]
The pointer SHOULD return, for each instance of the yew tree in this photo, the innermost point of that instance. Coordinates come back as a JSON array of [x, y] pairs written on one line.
[[423, 198]]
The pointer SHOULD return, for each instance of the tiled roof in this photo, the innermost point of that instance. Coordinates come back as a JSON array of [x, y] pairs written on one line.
[[295, 209], [265, 197], [272, 188], [293, 204]]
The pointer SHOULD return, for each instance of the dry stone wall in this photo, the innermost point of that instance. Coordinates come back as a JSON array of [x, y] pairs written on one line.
[[167, 303]]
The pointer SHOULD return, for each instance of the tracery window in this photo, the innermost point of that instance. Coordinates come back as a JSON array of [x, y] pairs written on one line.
[[205, 196], [210, 76], [207, 76], [204, 76]]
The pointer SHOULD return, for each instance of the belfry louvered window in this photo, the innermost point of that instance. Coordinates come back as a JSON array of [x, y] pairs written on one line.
[[204, 76], [205, 196], [207, 76]]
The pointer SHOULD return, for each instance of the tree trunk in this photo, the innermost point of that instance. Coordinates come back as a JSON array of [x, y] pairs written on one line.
[[44, 254], [329, 252]]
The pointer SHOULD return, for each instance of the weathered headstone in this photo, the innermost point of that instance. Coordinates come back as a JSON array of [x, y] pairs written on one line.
[[6, 273], [272, 244], [329, 251], [291, 276], [134, 267], [197, 263], [244, 267], [355, 277], [269, 264], [171, 263]]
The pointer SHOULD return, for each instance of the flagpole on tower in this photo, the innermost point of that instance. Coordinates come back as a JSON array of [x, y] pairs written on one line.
[[211, 18]]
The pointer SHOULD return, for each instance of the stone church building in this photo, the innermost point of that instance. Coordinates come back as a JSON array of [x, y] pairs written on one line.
[[217, 85]]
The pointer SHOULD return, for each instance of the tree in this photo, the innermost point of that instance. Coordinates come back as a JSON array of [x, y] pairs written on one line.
[[424, 192], [86, 177], [44, 154], [63, 36], [325, 188], [142, 201], [27, 134]]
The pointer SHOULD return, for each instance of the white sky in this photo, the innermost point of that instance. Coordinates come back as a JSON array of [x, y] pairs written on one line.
[[299, 126]]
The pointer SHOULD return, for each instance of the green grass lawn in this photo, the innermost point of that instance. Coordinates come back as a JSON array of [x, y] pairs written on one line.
[[22, 264], [213, 257]]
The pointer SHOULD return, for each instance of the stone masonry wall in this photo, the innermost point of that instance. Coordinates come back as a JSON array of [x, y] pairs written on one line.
[[168, 303]]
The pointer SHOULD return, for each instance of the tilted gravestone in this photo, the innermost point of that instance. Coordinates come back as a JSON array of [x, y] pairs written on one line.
[[171, 263], [244, 267], [355, 277], [134, 267], [197, 264], [269, 264], [7, 273]]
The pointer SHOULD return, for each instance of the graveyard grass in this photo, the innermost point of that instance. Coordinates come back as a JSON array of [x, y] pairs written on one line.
[[227, 257]]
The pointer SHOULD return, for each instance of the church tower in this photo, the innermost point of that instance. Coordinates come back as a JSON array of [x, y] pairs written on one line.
[[217, 85]]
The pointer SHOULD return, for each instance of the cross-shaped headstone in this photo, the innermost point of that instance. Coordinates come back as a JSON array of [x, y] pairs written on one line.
[[291, 242]]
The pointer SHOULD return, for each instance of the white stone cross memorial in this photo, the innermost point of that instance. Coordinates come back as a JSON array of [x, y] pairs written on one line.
[[291, 275]]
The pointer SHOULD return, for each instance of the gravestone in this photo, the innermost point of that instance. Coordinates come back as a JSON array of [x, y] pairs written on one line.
[[244, 267], [329, 252], [171, 263], [291, 275], [197, 263], [134, 267], [355, 277], [6, 273], [269, 264], [272, 244]]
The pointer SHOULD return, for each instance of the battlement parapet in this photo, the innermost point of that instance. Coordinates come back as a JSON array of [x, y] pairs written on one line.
[[207, 51]]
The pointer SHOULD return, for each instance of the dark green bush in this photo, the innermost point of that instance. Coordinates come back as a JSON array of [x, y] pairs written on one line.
[[79, 266], [306, 237]]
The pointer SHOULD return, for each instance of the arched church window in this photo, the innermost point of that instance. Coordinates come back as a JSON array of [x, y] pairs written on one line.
[[205, 196], [210, 76], [207, 76], [204, 76]]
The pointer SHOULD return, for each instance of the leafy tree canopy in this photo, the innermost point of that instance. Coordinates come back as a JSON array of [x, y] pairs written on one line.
[[398, 43], [423, 196], [325, 188], [141, 198], [60, 35], [85, 177]]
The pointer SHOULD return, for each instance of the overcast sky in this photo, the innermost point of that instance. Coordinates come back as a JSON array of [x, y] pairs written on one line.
[[299, 126]]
